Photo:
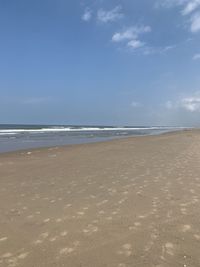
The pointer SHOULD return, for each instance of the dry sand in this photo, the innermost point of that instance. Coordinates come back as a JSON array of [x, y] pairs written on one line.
[[123, 203]]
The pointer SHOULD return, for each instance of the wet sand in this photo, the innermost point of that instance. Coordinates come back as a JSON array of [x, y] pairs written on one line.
[[125, 203]]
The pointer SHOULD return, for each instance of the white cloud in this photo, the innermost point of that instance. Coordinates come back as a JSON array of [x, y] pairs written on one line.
[[191, 6], [135, 44], [169, 3], [110, 16], [196, 57], [130, 33], [169, 47], [195, 23], [190, 103], [87, 15], [125, 35], [131, 36], [157, 50]]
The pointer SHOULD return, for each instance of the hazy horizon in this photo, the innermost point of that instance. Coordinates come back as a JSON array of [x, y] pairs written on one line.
[[87, 125]]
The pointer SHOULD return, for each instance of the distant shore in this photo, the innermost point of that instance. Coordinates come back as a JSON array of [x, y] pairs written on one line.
[[130, 202]]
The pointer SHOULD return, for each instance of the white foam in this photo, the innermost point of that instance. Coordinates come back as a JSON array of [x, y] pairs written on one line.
[[82, 129]]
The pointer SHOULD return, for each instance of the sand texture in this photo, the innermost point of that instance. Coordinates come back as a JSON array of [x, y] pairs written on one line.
[[132, 202]]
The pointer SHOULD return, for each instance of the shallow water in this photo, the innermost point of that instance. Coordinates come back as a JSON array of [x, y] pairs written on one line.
[[17, 137]]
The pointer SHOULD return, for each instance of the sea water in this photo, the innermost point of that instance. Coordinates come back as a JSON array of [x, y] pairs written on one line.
[[17, 137]]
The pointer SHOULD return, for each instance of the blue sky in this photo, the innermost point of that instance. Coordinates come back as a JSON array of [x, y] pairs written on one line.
[[100, 62]]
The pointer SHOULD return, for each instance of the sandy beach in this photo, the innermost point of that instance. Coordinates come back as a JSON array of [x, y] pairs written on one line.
[[133, 202]]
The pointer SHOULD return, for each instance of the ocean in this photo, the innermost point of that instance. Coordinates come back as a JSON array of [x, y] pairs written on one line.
[[19, 137]]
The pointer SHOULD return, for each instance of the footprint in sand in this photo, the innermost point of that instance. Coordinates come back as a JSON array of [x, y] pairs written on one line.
[[102, 202], [37, 242], [22, 255], [126, 250], [68, 206], [184, 211], [66, 251], [58, 220], [69, 250], [41, 239], [3, 238], [109, 218], [115, 212], [52, 239], [169, 248], [90, 229], [137, 224], [101, 212], [6, 255], [197, 237], [81, 213], [30, 216], [185, 228], [44, 235], [64, 233], [46, 220]]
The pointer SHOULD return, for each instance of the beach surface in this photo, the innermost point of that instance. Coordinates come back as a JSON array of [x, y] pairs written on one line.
[[133, 202]]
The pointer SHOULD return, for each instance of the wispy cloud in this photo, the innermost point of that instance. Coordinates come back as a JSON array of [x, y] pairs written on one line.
[[111, 15], [130, 33], [131, 36], [148, 50], [189, 8], [195, 23], [169, 3], [135, 104], [87, 15], [196, 57], [167, 48], [135, 44], [124, 35], [190, 103]]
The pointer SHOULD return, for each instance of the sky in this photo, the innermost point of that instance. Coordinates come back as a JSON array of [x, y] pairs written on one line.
[[98, 62]]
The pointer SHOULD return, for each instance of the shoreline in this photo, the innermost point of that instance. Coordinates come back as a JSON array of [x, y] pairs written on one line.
[[32, 149], [133, 202]]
